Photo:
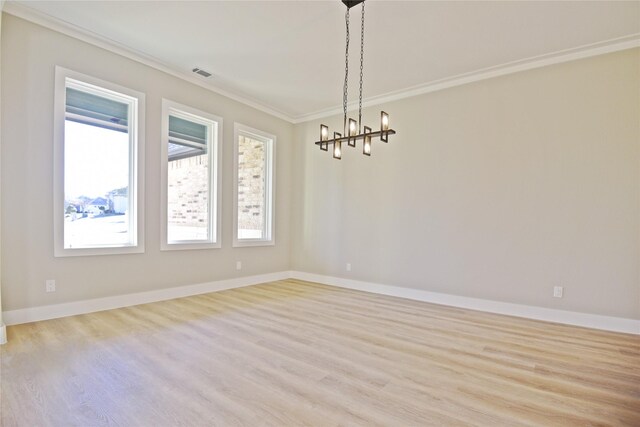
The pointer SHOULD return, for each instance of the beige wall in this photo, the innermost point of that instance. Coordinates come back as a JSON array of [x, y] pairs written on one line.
[[499, 189], [29, 55], [2, 328]]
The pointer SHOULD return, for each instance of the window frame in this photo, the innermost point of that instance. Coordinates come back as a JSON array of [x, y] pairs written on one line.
[[270, 185], [136, 162], [215, 185]]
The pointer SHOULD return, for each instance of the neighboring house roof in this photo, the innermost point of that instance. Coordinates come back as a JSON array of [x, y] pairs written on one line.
[[99, 201]]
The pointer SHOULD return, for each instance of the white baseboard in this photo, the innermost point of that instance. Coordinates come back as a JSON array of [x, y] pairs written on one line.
[[34, 314], [595, 321], [3, 334]]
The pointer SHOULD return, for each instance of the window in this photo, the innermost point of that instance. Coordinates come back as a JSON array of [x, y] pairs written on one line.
[[254, 153], [189, 177], [98, 153]]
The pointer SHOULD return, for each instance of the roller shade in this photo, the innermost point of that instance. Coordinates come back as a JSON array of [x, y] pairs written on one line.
[[93, 110], [186, 138]]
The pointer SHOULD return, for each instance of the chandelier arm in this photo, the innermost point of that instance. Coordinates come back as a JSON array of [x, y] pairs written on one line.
[[346, 75], [340, 138], [361, 69]]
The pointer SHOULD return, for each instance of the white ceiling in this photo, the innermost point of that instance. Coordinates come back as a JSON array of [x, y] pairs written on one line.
[[289, 55]]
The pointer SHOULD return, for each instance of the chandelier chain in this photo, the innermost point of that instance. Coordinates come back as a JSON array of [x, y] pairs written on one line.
[[352, 133], [346, 75], [361, 69]]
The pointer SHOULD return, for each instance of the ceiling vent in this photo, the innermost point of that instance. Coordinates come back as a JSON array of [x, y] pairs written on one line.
[[201, 72]]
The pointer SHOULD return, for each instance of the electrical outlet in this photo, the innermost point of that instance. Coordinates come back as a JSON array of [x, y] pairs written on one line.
[[348, 266], [50, 285], [558, 291], [238, 265]]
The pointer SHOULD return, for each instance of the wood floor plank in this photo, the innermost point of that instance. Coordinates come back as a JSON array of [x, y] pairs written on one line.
[[452, 356], [298, 353]]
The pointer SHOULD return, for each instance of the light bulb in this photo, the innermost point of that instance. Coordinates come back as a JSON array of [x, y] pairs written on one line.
[[352, 127], [337, 146], [351, 133], [384, 121], [384, 126], [366, 145]]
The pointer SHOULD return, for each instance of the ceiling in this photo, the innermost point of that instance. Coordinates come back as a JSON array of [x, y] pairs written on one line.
[[288, 56]]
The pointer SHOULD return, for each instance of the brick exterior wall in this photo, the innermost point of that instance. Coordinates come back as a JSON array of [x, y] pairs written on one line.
[[251, 185], [187, 195]]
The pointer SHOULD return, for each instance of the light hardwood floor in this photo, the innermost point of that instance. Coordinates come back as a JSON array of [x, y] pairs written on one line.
[[294, 353]]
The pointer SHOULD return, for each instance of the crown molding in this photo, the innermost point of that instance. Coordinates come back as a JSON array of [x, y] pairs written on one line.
[[585, 51], [608, 46], [47, 21]]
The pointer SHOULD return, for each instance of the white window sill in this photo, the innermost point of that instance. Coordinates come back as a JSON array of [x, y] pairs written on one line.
[[252, 242], [120, 250], [178, 246]]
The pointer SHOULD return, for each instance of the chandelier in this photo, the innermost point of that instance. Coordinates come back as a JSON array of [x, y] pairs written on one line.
[[353, 131]]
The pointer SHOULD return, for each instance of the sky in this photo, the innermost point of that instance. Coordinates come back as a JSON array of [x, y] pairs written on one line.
[[96, 160]]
